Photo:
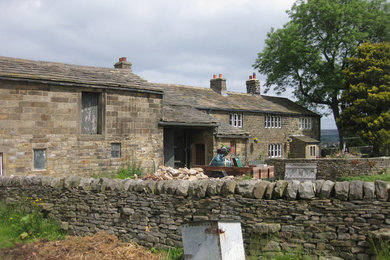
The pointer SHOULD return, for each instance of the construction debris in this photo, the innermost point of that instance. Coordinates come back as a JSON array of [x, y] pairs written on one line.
[[168, 173]]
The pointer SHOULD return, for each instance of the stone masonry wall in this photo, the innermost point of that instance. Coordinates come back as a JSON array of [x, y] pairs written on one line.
[[39, 116], [324, 218], [334, 169], [254, 124]]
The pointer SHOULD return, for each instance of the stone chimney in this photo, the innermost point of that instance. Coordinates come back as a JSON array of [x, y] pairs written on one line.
[[218, 84], [253, 85], [123, 64]]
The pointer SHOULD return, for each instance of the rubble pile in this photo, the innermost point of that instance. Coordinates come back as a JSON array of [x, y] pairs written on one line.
[[168, 173]]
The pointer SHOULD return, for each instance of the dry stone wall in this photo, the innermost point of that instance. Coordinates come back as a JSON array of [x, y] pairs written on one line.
[[326, 219], [335, 168]]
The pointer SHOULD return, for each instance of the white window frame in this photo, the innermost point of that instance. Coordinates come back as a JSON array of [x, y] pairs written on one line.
[[236, 120], [272, 121], [305, 123], [275, 150]]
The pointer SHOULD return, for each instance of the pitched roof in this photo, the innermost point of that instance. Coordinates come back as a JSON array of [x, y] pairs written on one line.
[[66, 74], [185, 115], [206, 98], [305, 139]]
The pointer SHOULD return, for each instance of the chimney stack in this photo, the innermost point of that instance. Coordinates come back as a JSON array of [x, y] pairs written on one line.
[[218, 84], [123, 64], [253, 85]]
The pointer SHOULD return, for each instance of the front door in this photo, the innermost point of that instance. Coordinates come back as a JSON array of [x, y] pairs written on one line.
[[200, 154]]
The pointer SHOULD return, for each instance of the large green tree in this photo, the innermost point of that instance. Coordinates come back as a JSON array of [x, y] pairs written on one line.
[[366, 99], [310, 52]]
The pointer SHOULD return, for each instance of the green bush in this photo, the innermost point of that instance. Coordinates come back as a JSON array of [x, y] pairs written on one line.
[[170, 253], [26, 222]]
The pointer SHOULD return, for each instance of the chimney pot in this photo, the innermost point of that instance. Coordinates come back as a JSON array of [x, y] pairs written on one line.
[[214, 76], [220, 76], [250, 77], [254, 75]]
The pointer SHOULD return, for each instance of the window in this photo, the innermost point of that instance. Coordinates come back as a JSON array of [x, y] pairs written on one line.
[[304, 123], [116, 150], [39, 159], [272, 121], [236, 120], [90, 113], [312, 150], [275, 150]]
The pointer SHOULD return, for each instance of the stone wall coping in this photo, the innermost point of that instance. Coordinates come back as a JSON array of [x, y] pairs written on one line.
[[258, 189]]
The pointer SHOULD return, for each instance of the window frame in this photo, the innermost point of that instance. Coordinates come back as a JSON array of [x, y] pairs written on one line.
[[272, 121], [275, 150], [236, 120], [305, 123], [36, 166], [115, 153]]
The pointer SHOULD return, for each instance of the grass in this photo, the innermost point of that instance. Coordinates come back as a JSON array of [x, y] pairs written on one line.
[[126, 172], [24, 223], [382, 252], [369, 178], [169, 254]]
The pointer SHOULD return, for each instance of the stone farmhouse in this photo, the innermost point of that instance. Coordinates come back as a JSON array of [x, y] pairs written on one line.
[[60, 119]]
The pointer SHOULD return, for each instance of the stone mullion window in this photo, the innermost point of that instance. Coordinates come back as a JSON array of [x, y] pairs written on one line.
[[236, 120], [272, 121], [275, 150], [305, 123]]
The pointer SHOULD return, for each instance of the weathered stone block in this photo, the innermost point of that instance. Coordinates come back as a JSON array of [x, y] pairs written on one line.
[[292, 189], [228, 188], [341, 190], [259, 189], [270, 191], [245, 188], [182, 187], [381, 189], [280, 189], [356, 190], [306, 190], [266, 228], [369, 190], [327, 189]]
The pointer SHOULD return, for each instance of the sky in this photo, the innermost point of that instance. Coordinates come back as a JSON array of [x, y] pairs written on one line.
[[177, 42]]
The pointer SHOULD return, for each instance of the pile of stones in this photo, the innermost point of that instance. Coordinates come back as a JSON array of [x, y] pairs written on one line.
[[168, 173]]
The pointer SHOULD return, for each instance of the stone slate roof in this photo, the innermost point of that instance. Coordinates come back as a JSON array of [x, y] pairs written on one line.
[[66, 74], [206, 98], [306, 139], [185, 115]]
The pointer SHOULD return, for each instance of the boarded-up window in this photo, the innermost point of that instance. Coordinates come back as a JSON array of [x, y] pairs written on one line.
[[39, 159], [90, 113], [115, 150]]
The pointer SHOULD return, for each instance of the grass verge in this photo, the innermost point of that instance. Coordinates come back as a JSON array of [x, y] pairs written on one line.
[[369, 178], [25, 222]]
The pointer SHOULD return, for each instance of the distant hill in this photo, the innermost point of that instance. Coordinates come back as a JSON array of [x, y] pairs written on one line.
[[329, 136]]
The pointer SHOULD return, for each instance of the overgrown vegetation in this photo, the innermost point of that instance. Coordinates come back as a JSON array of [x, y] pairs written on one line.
[[125, 172], [369, 178], [26, 222]]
